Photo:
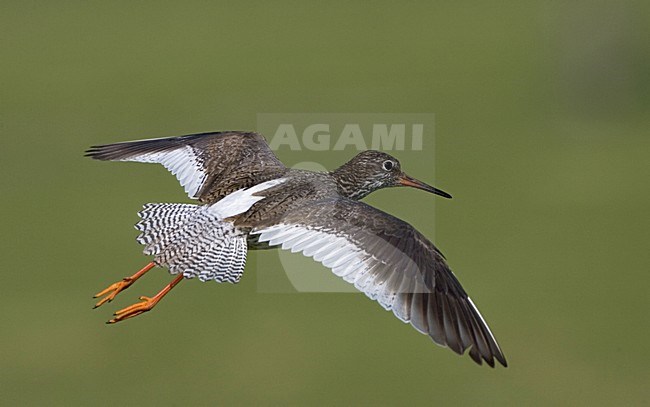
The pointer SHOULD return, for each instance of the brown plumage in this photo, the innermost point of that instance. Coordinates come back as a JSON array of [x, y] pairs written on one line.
[[318, 214]]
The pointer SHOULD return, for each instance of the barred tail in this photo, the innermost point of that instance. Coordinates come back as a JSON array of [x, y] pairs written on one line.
[[193, 241]]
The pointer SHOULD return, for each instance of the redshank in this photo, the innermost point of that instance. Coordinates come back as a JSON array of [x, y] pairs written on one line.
[[250, 200]]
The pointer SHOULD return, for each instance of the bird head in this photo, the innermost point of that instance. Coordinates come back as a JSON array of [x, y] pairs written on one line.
[[371, 170]]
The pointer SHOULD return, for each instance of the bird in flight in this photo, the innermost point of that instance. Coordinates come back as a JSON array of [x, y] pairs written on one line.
[[248, 199]]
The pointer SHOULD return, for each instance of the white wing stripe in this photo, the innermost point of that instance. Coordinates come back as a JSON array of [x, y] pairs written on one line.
[[332, 247], [351, 268], [182, 162], [380, 279], [335, 260], [317, 245], [278, 236], [482, 320], [289, 244], [241, 200], [273, 233], [299, 240], [313, 238]]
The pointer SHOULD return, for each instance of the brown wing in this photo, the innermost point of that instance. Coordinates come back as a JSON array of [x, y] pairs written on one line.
[[209, 165], [391, 262]]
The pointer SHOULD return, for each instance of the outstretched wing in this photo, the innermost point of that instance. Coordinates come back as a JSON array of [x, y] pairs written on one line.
[[209, 165], [391, 262]]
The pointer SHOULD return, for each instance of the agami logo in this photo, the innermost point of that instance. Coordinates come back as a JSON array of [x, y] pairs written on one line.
[[319, 137], [337, 132]]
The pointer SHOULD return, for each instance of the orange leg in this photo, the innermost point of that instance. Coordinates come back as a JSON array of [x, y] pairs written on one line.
[[111, 291], [146, 303]]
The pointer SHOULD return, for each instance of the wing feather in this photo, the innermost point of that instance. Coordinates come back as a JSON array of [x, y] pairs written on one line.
[[208, 166], [392, 263]]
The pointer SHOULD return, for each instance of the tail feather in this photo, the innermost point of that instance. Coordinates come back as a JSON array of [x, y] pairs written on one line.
[[191, 240], [159, 223], [233, 259]]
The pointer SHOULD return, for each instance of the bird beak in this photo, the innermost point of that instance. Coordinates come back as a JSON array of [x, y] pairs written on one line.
[[407, 181]]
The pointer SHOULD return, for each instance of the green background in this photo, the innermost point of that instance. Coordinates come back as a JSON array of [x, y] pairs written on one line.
[[542, 136]]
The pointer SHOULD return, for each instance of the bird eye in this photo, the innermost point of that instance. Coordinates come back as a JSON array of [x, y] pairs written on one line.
[[388, 165]]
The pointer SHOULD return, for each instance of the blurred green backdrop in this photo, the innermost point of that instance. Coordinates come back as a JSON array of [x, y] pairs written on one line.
[[542, 121]]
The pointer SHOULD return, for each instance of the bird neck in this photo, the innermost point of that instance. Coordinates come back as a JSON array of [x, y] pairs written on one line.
[[350, 184]]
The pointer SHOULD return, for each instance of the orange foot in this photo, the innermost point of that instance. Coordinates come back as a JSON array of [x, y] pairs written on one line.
[[146, 303], [112, 290], [136, 309]]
